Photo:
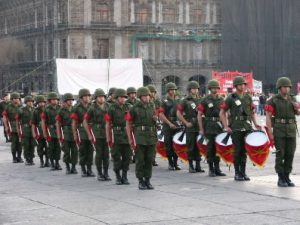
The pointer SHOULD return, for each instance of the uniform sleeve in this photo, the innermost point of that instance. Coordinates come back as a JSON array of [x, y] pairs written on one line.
[[88, 115], [108, 117], [58, 117], [181, 106], [74, 115], [270, 107], [201, 106], [225, 105]]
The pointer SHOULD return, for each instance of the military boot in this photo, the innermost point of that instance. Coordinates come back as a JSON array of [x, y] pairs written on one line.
[[218, 171], [175, 160], [288, 180], [118, 177], [124, 177], [14, 158], [57, 165], [106, 176], [83, 171], [47, 162], [211, 171], [148, 184], [100, 175], [68, 170], [52, 167], [191, 167], [171, 164], [27, 162], [31, 162], [19, 158], [90, 171], [154, 163], [238, 176], [142, 185], [198, 167], [73, 169], [282, 181], [243, 172], [41, 162]]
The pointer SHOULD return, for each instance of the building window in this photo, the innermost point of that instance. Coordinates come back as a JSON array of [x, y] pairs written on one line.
[[63, 48], [198, 16], [62, 12], [170, 49], [170, 15], [40, 52], [102, 49], [143, 16], [101, 12], [143, 50]]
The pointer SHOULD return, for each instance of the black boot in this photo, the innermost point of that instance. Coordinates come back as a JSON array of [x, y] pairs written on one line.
[[175, 160], [142, 185], [198, 167], [14, 158], [83, 171], [106, 176], [218, 171], [19, 158], [100, 175], [31, 162], [118, 177], [243, 172], [90, 171], [47, 162], [148, 184], [52, 167], [57, 165], [288, 180], [68, 170], [211, 171], [27, 162], [124, 178], [238, 176], [154, 163], [282, 181], [171, 164], [74, 170], [41, 162], [191, 167]]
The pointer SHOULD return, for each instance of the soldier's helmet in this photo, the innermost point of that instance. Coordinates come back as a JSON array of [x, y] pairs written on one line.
[[120, 93], [131, 90], [213, 84], [283, 82], [15, 95], [111, 91], [193, 85], [68, 96], [52, 96], [84, 92], [171, 86], [143, 91], [238, 80], [40, 98], [28, 99], [152, 88], [99, 92]]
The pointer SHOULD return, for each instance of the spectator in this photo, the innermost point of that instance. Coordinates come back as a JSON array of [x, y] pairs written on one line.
[[255, 100], [262, 103]]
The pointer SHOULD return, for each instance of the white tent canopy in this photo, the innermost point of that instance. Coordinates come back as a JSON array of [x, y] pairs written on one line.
[[74, 74]]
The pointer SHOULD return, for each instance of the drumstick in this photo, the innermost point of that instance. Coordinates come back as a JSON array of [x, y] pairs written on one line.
[[181, 136], [226, 138], [201, 140]]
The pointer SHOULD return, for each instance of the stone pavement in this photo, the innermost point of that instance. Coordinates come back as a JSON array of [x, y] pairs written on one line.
[[30, 195]]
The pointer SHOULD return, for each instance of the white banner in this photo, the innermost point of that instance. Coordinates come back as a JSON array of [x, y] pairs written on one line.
[[257, 86], [74, 74]]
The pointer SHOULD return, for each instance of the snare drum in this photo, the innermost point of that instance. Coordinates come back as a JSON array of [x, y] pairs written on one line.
[[224, 147], [160, 145], [202, 145], [179, 145]]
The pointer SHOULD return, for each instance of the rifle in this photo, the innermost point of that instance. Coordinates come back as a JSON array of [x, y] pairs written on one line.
[[19, 129], [93, 141], [78, 141]]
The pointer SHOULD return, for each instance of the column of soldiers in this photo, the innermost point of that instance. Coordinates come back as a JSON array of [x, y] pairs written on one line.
[[124, 123]]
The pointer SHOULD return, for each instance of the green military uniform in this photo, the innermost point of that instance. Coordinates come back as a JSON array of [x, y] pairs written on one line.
[[110, 96], [86, 151], [10, 113], [3, 106], [42, 148], [144, 127], [95, 118], [120, 151], [24, 117], [49, 116], [69, 146], [284, 130]]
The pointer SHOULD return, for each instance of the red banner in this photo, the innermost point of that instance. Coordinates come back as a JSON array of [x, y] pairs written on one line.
[[226, 80]]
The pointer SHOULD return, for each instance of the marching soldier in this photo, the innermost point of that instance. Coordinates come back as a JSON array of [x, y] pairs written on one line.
[[37, 133], [167, 115], [210, 126], [241, 109], [64, 134], [24, 128], [3, 106], [48, 124], [9, 119], [80, 136], [116, 136], [94, 125], [110, 96], [187, 114], [141, 132], [281, 110], [131, 92]]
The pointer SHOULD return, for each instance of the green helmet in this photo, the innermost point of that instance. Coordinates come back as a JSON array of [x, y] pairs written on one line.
[[68, 96], [213, 84], [283, 82], [84, 92], [52, 96], [238, 80], [193, 85], [171, 86], [143, 91], [111, 91], [120, 93], [14, 95], [151, 88], [131, 90], [40, 98], [99, 92], [28, 99]]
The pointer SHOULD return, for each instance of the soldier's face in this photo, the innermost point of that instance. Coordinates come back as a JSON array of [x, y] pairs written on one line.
[[86, 99], [214, 90], [153, 94], [29, 104], [41, 104], [145, 99], [132, 95], [69, 103], [285, 90], [194, 91], [121, 100], [100, 99], [16, 101], [241, 87], [53, 102], [171, 92], [6, 98]]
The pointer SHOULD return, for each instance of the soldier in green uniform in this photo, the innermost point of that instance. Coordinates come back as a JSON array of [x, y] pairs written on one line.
[[94, 125], [65, 135], [281, 110], [141, 121], [49, 130], [187, 114], [9, 119], [241, 109], [24, 127], [116, 136], [154, 100], [167, 115], [81, 138], [110, 96], [210, 125], [37, 133], [131, 92], [3, 105]]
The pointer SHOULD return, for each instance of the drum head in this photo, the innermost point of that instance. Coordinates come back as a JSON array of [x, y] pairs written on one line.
[[256, 139], [179, 138], [160, 136], [205, 139], [220, 138]]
